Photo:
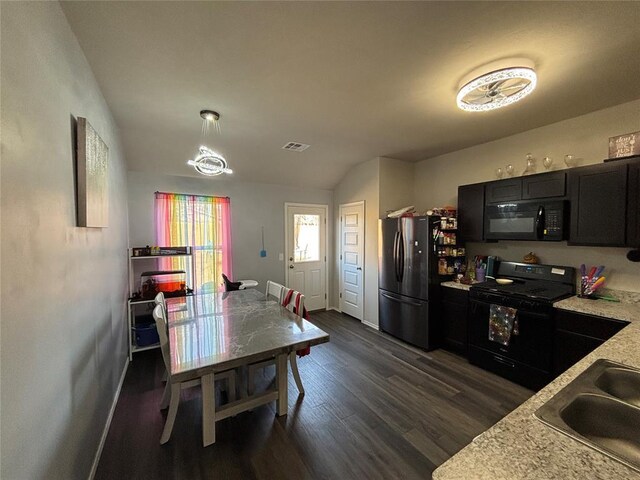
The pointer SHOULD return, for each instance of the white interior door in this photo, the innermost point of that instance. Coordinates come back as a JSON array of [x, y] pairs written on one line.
[[352, 259], [306, 254]]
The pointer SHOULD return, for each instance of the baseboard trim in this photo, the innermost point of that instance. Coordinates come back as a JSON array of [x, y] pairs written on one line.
[[335, 309], [369, 324], [103, 439]]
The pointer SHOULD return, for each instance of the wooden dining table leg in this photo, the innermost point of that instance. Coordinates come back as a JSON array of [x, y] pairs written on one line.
[[208, 410], [282, 379]]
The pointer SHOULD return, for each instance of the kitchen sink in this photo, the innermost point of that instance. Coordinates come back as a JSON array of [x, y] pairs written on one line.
[[600, 408], [621, 383]]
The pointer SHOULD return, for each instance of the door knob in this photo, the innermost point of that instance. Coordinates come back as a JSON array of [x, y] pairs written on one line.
[[290, 266], [291, 259], [359, 268]]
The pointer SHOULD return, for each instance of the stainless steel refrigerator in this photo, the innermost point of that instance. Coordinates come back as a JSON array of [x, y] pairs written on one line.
[[408, 279]]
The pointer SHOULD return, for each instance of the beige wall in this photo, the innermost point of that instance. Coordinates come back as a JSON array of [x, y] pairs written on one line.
[[253, 205], [362, 182], [396, 185], [437, 180], [64, 288]]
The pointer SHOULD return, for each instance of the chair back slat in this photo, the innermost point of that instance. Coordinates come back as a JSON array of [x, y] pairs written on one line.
[[163, 329], [275, 290]]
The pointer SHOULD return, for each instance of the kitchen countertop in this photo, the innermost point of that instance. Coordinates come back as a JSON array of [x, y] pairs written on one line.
[[628, 309], [452, 284], [521, 447]]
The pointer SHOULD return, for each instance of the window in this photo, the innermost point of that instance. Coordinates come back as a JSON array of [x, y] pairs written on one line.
[[307, 238], [202, 222]]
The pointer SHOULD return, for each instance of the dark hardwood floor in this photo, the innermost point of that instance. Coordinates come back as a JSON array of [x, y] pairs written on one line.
[[374, 408]]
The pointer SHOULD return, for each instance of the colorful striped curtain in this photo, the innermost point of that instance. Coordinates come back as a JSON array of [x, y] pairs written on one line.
[[202, 222]]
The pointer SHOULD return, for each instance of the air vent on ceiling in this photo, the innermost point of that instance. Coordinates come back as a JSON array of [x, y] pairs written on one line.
[[296, 147]]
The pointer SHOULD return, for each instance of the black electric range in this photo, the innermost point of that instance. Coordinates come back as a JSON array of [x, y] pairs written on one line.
[[526, 358]]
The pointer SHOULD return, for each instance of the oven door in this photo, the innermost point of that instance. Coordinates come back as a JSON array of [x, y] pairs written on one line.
[[532, 345], [514, 221]]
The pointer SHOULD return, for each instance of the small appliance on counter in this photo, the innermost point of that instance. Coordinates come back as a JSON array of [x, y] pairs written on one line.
[[511, 320]]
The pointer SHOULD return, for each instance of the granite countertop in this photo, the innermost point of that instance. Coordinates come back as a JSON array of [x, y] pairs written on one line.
[[459, 286], [628, 309], [521, 447]]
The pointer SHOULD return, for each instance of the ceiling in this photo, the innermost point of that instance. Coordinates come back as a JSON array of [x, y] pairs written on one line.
[[355, 80]]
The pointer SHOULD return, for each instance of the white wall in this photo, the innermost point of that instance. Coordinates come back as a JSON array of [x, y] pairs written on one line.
[[362, 182], [587, 136], [252, 205], [63, 287]]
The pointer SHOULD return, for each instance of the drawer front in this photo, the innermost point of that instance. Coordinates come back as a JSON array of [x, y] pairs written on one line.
[[596, 327]]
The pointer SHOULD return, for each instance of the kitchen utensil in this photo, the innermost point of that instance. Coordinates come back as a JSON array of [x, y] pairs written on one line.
[[504, 281], [608, 298], [598, 283]]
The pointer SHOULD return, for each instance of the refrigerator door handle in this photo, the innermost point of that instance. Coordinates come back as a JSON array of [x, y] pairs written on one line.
[[395, 255], [401, 256], [400, 300]]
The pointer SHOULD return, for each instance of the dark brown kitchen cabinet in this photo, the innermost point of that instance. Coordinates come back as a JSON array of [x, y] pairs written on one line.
[[453, 320], [504, 190], [598, 204], [578, 334], [633, 206], [544, 185], [471, 213]]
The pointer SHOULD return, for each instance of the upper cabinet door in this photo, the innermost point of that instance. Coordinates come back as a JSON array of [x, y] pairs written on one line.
[[544, 185], [598, 196], [633, 206], [470, 213], [504, 190]]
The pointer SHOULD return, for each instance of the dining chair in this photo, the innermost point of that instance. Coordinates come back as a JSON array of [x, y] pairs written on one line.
[[275, 290], [171, 395], [294, 302]]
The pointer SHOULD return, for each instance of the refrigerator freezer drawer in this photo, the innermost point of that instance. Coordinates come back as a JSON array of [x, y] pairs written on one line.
[[405, 318]]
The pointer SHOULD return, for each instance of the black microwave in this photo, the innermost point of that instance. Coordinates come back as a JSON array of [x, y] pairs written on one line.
[[526, 221]]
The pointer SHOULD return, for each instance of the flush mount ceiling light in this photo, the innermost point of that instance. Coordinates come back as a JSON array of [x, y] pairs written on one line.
[[209, 163], [497, 89]]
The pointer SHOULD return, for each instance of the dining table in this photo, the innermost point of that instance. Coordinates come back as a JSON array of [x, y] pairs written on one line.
[[216, 332]]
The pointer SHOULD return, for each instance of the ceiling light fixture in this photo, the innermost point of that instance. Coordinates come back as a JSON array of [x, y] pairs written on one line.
[[209, 117], [497, 89], [209, 163]]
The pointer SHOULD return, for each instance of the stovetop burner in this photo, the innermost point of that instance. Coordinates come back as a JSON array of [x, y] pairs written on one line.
[[544, 283]]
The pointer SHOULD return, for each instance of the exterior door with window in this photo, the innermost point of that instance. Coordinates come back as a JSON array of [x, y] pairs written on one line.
[[306, 258]]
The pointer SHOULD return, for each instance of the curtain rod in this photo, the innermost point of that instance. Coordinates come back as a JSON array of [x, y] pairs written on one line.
[[190, 194]]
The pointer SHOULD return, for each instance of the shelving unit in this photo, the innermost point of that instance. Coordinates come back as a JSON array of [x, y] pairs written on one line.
[[133, 302], [449, 253]]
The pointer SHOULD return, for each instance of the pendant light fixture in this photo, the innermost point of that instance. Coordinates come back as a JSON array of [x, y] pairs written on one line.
[[208, 162], [498, 88]]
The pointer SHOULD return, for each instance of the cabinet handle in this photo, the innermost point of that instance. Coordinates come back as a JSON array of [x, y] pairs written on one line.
[[503, 361]]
